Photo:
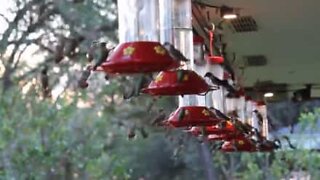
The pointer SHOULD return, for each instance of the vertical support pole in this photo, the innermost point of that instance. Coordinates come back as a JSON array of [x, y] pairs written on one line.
[[249, 107], [138, 20], [176, 28], [262, 108]]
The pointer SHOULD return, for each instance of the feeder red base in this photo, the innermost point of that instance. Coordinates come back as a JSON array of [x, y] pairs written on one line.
[[192, 116], [139, 57], [229, 128], [174, 90], [135, 67], [167, 84], [215, 59]]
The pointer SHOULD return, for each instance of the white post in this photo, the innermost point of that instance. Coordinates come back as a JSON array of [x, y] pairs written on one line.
[[138, 20]]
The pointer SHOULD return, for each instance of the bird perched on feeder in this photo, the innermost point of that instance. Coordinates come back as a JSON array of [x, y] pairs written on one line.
[[82, 82], [104, 52], [219, 113], [180, 75], [220, 82], [182, 114], [140, 82], [259, 117], [174, 53]]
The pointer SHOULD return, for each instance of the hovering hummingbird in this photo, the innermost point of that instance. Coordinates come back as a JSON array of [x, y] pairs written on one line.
[[58, 53], [45, 82], [71, 45], [143, 132], [131, 132], [82, 82], [160, 117], [175, 53]]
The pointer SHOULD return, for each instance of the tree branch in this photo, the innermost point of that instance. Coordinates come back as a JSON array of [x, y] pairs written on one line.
[[13, 25], [5, 18]]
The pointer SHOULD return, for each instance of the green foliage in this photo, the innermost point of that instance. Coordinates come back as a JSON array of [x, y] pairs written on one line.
[[309, 118], [275, 165]]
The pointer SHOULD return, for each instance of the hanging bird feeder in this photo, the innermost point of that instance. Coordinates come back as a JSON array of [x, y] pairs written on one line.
[[139, 57], [213, 58], [179, 82], [240, 143], [192, 116]]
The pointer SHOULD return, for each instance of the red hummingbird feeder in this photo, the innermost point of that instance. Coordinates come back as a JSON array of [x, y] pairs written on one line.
[[240, 143], [216, 130], [212, 58], [167, 83], [192, 116], [139, 57]]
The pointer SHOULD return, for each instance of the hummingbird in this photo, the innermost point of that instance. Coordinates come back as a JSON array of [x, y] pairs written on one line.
[[160, 117], [131, 132], [219, 113], [71, 45], [82, 82], [143, 132], [58, 51], [103, 54], [141, 81], [220, 82], [181, 114], [45, 82], [259, 117], [174, 53], [90, 53]]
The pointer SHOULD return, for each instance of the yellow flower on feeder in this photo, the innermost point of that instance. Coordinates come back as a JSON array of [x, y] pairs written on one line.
[[128, 51], [240, 142], [160, 50], [158, 78], [205, 112], [185, 78]]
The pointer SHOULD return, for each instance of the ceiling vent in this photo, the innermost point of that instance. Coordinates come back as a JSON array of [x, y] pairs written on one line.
[[244, 24], [255, 60]]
